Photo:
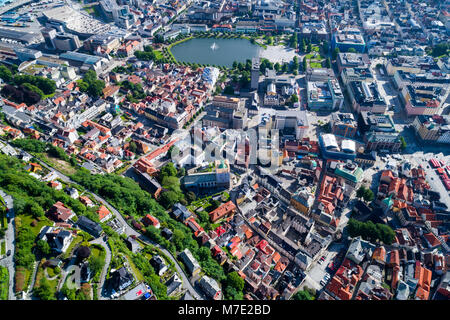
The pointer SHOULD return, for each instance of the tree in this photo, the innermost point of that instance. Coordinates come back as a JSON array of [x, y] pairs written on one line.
[[132, 147], [325, 47], [360, 192], [277, 67], [368, 195], [96, 264], [370, 231], [214, 205], [440, 49], [305, 294], [403, 143], [234, 280], [5, 74], [203, 216], [92, 85], [328, 63], [190, 196], [178, 238], [44, 291], [168, 170], [36, 210], [295, 63], [305, 64], [335, 53], [168, 199], [82, 85], [43, 247], [352, 50], [34, 89], [294, 98]]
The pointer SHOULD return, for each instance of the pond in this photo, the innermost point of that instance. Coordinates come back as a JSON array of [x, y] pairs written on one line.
[[220, 52]]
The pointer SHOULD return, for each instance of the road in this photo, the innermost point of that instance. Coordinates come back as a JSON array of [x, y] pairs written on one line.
[[129, 231], [8, 261], [14, 4], [105, 245]]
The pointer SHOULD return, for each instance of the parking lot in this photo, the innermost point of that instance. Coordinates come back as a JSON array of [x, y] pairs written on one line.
[[319, 270]]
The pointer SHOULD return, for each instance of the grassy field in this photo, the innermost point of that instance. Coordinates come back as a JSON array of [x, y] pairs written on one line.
[[38, 224], [135, 270], [77, 240], [315, 65], [3, 248], [158, 54], [58, 164], [4, 283]]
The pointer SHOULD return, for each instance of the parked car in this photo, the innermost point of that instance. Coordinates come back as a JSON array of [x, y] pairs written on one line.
[[8, 253]]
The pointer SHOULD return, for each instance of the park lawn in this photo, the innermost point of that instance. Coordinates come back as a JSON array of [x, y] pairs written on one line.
[[315, 65], [158, 54], [314, 48], [58, 164], [313, 56], [4, 283]]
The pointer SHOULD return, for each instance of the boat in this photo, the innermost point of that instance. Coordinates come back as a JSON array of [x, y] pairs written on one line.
[[214, 46]]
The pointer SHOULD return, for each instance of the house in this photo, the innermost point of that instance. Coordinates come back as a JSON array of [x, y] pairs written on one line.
[[121, 279], [132, 244], [55, 185], [180, 212], [191, 263], [86, 201], [210, 287], [174, 285], [90, 226], [33, 167], [159, 264], [149, 220], [167, 233], [103, 213], [225, 210], [58, 239], [72, 192], [59, 213]]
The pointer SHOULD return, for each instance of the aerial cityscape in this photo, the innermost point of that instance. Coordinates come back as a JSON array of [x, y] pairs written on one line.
[[224, 150]]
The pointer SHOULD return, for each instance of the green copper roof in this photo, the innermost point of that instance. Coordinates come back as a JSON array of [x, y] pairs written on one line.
[[388, 201], [354, 176], [222, 165]]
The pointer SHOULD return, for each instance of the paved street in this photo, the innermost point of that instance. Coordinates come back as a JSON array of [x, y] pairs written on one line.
[[8, 261]]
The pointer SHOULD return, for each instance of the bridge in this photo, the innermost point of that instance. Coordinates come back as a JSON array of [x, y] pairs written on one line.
[[14, 4]]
